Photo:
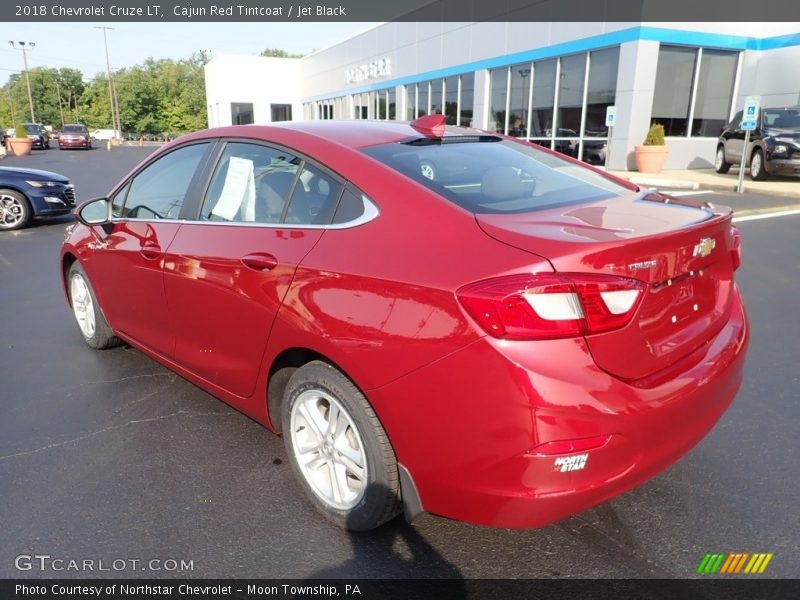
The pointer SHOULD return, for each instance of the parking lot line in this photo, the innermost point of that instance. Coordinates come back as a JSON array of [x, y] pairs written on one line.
[[766, 214]]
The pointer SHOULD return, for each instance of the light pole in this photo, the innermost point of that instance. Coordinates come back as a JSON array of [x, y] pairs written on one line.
[[60, 105], [25, 46], [111, 96]]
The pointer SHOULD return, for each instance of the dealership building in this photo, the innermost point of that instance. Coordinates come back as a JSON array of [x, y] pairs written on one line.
[[550, 83]]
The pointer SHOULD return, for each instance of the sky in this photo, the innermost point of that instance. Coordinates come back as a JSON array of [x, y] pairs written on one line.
[[80, 46]]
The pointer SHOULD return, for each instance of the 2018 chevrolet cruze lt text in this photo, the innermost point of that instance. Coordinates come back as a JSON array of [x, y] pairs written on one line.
[[506, 338]]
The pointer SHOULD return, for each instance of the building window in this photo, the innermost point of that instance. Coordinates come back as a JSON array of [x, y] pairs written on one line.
[[241, 113], [602, 90], [544, 89], [466, 99], [714, 92], [673, 92], [411, 102], [497, 101], [422, 99], [436, 97], [570, 97], [683, 91], [281, 112], [520, 100], [390, 98], [451, 100]]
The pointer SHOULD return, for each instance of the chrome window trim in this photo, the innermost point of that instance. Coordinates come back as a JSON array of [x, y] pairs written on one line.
[[370, 212]]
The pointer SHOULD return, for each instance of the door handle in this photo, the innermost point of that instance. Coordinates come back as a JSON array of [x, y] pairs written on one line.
[[151, 250], [260, 262]]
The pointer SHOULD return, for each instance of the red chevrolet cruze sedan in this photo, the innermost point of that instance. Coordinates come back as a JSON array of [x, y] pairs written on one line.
[[435, 319]]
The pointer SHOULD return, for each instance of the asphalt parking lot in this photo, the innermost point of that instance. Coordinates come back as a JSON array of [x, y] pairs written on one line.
[[108, 455]]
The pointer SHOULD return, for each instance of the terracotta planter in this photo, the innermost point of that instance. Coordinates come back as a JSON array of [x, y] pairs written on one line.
[[650, 159], [20, 146]]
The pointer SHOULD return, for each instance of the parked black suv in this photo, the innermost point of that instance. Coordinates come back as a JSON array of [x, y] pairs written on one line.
[[774, 145]]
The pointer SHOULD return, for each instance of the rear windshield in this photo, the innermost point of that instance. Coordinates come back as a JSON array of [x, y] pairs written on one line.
[[494, 175], [73, 129]]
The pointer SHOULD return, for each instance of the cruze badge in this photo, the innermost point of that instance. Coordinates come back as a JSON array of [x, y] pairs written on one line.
[[645, 264], [705, 247]]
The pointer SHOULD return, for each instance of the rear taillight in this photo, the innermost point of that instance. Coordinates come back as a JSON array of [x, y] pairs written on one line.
[[553, 305], [736, 247]]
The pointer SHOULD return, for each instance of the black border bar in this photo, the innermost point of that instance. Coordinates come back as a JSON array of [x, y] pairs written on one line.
[[400, 10], [366, 589]]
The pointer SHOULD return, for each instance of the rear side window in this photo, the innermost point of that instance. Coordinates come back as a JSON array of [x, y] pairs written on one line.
[[314, 198], [350, 208], [495, 176], [251, 184]]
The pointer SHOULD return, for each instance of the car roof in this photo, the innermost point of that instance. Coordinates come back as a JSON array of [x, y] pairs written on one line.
[[354, 134]]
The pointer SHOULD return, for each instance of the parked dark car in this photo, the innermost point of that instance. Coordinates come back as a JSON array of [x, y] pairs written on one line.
[[38, 134], [28, 193], [74, 136], [774, 147]]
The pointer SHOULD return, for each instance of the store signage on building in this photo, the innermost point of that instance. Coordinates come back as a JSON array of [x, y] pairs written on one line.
[[371, 70]]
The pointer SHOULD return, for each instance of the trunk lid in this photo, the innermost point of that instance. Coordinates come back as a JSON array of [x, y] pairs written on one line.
[[680, 249]]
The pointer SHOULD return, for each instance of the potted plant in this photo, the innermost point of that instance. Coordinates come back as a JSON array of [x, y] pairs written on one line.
[[20, 144], [650, 156]]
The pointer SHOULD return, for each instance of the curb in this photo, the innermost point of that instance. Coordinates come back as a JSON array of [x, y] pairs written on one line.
[[683, 184], [677, 184]]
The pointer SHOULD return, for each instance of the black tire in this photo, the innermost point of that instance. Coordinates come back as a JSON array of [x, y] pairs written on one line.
[[720, 164], [15, 210], [379, 496], [757, 170], [102, 337]]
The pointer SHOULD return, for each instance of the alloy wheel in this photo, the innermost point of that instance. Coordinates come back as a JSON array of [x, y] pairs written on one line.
[[11, 211], [82, 305], [755, 165], [719, 159], [328, 449]]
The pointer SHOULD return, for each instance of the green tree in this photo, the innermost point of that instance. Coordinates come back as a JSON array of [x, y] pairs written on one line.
[[278, 53]]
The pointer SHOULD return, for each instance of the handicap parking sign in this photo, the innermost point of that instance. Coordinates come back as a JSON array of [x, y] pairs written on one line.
[[751, 106]]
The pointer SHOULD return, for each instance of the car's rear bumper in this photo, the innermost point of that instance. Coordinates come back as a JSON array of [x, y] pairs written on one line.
[[470, 427]]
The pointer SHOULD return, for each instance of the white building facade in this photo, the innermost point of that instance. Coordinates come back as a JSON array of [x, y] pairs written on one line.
[[550, 83]]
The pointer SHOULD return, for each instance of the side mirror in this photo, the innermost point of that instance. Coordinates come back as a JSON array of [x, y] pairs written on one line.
[[94, 212]]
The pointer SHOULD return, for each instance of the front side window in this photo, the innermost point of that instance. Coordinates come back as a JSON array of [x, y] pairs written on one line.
[[495, 176], [158, 191], [250, 184]]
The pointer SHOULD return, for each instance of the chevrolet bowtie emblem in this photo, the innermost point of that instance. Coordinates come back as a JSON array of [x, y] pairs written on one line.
[[705, 247]]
